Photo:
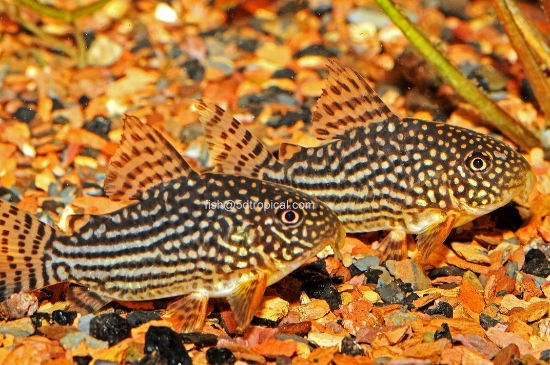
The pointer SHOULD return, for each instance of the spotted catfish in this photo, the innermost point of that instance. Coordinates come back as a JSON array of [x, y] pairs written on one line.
[[378, 172], [181, 234]]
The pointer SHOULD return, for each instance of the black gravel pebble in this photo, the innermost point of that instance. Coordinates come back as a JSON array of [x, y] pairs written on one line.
[[174, 51], [526, 91], [142, 43], [199, 339], [537, 267], [442, 308], [82, 360], [443, 332], [153, 360], [545, 355], [454, 8], [109, 327], [372, 275], [322, 9], [64, 317], [534, 253], [37, 319], [52, 205], [317, 283], [56, 104], [167, 344], [392, 293], [290, 118], [354, 271], [60, 119], [100, 125], [84, 100], [137, 318], [486, 321], [409, 299], [194, 69], [24, 114], [264, 322], [284, 73], [89, 37], [323, 290], [507, 217], [220, 356], [445, 271], [350, 347], [291, 7], [247, 44], [315, 50]]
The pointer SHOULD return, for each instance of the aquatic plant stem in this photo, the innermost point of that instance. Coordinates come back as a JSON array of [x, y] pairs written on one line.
[[536, 77], [492, 114]]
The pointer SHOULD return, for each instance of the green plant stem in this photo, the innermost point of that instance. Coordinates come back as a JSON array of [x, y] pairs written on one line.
[[536, 77], [52, 41], [80, 46], [494, 115], [66, 16]]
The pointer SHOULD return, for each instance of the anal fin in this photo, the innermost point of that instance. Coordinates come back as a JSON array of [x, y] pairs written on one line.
[[394, 245], [85, 301], [187, 313], [434, 235], [246, 297]]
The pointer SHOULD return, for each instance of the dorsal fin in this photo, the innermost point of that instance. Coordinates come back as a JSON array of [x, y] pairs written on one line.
[[347, 102], [231, 145], [144, 159], [287, 150]]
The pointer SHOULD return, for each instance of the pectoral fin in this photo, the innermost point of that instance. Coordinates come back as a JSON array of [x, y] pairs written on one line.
[[85, 301], [434, 235], [247, 296], [187, 313]]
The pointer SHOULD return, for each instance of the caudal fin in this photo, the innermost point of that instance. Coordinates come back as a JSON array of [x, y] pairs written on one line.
[[23, 242], [232, 146]]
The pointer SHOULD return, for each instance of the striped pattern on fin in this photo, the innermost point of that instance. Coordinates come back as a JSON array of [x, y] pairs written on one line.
[[144, 159], [235, 149], [23, 247], [347, 102], [187, 313], [434, 235], [246, 297], [394, 246], [85, 301]]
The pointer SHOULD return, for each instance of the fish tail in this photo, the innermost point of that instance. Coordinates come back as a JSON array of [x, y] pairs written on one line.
[[24, 248], [233, 147]]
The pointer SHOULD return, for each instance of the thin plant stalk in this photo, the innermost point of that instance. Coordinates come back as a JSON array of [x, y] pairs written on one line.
[[492, 114], [532, 70], [532, 35]]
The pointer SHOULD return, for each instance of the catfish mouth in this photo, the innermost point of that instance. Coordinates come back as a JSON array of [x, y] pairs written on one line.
[[528, 186], [522, 190]]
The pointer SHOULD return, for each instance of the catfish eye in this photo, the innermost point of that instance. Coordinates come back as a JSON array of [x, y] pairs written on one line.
[[289, 217], [478, 161]]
